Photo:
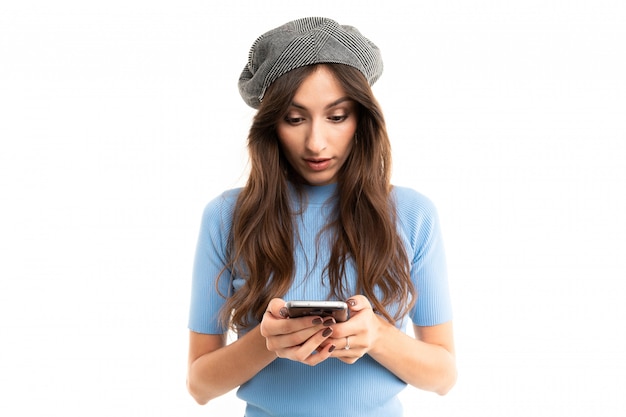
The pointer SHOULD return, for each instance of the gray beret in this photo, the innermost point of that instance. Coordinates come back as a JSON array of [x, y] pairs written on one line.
[[312, 40]]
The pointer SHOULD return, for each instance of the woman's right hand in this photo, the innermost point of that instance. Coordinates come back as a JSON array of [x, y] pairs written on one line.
[[297, 339]]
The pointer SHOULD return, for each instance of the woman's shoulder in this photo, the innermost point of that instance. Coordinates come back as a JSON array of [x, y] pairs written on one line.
[[417, 218], [222, 204], [417, 214], [410, 200]]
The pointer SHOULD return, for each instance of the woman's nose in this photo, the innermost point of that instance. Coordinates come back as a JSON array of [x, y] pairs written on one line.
[[316, 138]]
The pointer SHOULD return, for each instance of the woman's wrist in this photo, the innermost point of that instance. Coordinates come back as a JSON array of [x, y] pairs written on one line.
[[384, 334]]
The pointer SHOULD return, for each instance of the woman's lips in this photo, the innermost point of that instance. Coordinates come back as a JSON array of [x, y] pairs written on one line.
[[318, 164]]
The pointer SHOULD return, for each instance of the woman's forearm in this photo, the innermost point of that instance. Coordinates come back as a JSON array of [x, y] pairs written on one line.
[[217, 372], [424, 365]]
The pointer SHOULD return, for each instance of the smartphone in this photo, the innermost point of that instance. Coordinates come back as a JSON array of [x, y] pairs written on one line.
[[337, 309]]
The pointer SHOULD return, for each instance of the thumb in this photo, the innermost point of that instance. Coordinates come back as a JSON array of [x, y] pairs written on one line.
[[276, 308], [358, 303]]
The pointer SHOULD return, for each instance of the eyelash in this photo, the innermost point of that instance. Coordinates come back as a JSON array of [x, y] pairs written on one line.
[[293, 120], [335, 119], [338, 118]]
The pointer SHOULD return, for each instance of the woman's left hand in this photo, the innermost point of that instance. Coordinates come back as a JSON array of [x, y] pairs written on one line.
[[426, 361], [357, 336]]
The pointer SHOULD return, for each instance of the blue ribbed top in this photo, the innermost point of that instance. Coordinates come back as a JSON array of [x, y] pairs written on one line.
[[287, 388]]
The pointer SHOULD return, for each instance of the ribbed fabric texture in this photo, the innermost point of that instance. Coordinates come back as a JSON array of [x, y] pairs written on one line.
[[287, 388]]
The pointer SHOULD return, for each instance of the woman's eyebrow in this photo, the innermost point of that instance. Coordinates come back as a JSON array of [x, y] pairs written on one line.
[[333, 104]]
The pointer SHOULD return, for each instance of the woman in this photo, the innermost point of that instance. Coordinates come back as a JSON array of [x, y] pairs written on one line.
[[318, 220]]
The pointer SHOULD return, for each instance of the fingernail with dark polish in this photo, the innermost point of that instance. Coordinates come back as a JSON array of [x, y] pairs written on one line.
[[351, 302], [331, 348], [327, 332], [317, 321], [329, 322], [283, 312]]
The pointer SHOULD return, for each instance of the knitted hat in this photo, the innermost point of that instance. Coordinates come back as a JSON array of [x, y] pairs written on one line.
[[312, 40]]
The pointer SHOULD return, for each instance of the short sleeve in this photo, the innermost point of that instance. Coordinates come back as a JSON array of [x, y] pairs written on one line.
[[419, 221], [207, 294]]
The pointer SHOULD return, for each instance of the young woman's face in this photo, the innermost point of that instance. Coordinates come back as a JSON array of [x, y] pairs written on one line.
[[317, 132]]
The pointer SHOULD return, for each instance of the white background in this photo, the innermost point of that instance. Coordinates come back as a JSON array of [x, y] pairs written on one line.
[[119, 120]]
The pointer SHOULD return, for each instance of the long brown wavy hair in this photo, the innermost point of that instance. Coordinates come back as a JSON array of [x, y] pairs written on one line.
[[261, 244]]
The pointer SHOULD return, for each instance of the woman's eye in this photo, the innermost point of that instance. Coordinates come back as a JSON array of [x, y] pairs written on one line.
[[338, 118], [293, 120]]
